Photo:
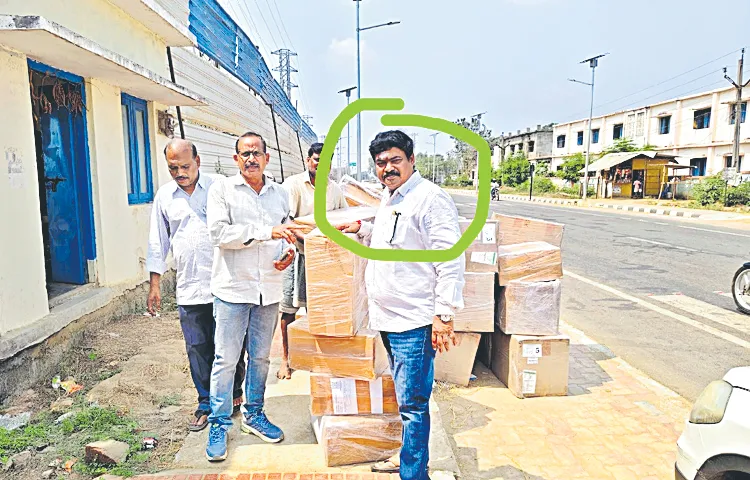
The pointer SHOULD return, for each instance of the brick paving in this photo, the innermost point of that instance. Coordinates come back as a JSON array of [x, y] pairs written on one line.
[[616, 423]]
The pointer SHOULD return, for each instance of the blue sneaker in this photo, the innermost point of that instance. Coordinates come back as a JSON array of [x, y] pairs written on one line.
[[258, 424], [216, 450]]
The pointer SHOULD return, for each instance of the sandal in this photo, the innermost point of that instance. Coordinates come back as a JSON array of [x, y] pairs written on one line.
[[388, 466], [196, 425], [237, 405]]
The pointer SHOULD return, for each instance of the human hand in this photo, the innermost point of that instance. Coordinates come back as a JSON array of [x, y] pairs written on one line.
[[352, 227], [285, 261], [443, 336], [285, 231], [153, 303]]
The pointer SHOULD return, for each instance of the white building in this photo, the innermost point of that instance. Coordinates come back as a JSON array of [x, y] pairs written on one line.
[[698, 128], [89, 100]]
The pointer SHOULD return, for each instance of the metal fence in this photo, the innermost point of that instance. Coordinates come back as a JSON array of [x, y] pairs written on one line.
[[225, 42]]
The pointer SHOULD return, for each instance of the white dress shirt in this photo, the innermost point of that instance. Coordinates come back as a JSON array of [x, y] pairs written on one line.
[[240, 221], [178, 223], [407, 295]]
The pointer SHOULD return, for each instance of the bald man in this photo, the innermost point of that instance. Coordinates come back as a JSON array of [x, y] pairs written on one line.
[[178, 223]]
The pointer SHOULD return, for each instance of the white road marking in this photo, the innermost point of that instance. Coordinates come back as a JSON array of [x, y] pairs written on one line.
[[662, 244], [716, 231], [668, 313], [706, 310], [657, 223], [724, 294]]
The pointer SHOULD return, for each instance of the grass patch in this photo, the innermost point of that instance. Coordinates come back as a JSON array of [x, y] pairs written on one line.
[[69, 437], [169, 400]]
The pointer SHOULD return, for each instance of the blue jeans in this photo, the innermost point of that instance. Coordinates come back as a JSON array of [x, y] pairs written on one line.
[[412, 363], [235, 321], [198, 327]]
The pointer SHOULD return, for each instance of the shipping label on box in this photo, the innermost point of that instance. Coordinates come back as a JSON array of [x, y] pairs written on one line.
[[529, 308], [481, 256], [528, 262], [532, 366], [347, 396], [478, 314]]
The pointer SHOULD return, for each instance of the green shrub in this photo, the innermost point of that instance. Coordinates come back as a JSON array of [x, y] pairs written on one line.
[[709, 191], [739, 195]]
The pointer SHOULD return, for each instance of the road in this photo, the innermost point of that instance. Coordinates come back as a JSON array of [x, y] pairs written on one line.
[[649, 288]]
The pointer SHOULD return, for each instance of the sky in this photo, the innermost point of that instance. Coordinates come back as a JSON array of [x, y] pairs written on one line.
[[509, 58]]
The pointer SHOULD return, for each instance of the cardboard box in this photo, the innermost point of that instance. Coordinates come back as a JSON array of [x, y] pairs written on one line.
[[351, 440], [481, 256], [530, 308], [337, 217], [529, 262], [455, 365], [349, 357], [347, 396], [531, 366], [521, 230], [336, 292], [357, 193], [478, 314]]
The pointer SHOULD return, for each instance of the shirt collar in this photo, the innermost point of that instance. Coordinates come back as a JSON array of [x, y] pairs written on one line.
[[201, 183], [409, 184], [238, 179]]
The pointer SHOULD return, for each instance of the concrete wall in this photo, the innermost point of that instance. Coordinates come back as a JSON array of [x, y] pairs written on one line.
[[101, 22], [683, 140], [22, 291]]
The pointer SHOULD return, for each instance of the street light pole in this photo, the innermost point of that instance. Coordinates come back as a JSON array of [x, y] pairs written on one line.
[[593, 63], [359, 89], [348, 92], [434, 154]]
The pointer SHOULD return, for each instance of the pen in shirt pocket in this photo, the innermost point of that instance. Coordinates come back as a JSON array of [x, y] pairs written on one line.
[[395, 224]]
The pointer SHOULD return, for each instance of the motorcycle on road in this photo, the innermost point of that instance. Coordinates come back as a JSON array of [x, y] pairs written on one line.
[[741, 289]]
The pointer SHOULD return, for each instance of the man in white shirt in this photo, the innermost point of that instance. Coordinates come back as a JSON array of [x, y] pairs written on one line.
[[301, 188], [246, 223], [412, 304], [178, 223]]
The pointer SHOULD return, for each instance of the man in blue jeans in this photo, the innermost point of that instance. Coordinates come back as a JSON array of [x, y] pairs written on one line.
[[411, 304], [246, 216]]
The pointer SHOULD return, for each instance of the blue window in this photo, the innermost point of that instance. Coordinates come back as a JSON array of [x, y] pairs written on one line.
[[664, 125], [617, 131], [595, 135], [743, 113], [702, 119], [137, 149], [561, 141], [579, 139]]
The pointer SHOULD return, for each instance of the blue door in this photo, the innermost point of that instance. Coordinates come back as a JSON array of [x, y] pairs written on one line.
[[65, 202]]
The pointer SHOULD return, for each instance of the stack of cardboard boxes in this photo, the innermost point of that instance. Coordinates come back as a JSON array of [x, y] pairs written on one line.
[[354, 410], [527, 353]]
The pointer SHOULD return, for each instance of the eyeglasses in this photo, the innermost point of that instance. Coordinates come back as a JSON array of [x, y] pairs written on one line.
[[249, 153]]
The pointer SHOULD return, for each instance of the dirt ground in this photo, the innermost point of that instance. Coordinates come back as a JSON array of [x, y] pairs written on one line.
[[157, 391]]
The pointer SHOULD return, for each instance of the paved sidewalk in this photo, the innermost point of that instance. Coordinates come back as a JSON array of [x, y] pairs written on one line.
[[616, 423]]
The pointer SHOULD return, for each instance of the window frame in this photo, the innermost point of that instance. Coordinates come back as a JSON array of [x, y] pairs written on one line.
[[531, 146], [135, 105], [706, 117], [595, 135], [733, 112], [561, 141], [614, 129], [665, 121], [579, 138]]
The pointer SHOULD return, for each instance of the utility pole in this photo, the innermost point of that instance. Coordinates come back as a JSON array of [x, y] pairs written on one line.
[[737, 109], [476, 127], [348, 92], [434, 155], [285, 70], [593, 63]]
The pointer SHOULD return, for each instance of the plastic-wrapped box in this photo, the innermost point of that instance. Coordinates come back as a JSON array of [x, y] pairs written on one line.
[[521, 230], [529, 262], [362, 356], [481, 256], [532, 366], [347, 396], [455, 365], [478, 314], [336, 295], [337, 217], [351, 440], [530, 308], [357, 193]]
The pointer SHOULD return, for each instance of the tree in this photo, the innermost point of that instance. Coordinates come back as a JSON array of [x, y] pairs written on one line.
[[515, 170], [625, 144], [465, 154], [443, 167], [571, 167]]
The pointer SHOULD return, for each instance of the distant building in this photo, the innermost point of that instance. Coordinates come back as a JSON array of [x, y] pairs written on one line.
[[697, 129], [535, 144]]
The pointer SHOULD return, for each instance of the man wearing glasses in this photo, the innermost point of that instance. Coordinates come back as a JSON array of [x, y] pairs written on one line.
[[301, 188], [411, 304], [246, 223]]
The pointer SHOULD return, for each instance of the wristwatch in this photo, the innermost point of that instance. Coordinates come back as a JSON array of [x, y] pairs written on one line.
[[446, 318]]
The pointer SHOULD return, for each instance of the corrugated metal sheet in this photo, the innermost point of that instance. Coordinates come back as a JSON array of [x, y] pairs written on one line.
[[179, 9], [232, 110], [220, 38]]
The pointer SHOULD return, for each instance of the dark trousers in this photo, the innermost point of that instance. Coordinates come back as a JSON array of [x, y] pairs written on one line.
[[412, 364], [198, 327]]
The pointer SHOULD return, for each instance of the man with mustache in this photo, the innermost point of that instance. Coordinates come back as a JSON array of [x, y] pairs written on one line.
[[411, 304], [178, 223], [301, 188], [246, 223]]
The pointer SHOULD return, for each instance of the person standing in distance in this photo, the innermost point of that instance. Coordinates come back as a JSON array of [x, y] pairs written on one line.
[[412, 304]]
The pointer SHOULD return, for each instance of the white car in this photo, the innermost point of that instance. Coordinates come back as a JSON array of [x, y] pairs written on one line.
[[715, 444]]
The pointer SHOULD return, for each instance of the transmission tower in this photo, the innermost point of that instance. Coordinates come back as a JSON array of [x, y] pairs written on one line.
[[285, 70]]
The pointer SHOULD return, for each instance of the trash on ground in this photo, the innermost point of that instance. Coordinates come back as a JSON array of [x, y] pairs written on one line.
[[11, 422]]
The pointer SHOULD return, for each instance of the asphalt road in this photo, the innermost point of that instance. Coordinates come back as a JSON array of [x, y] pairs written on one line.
[[648, 287]]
